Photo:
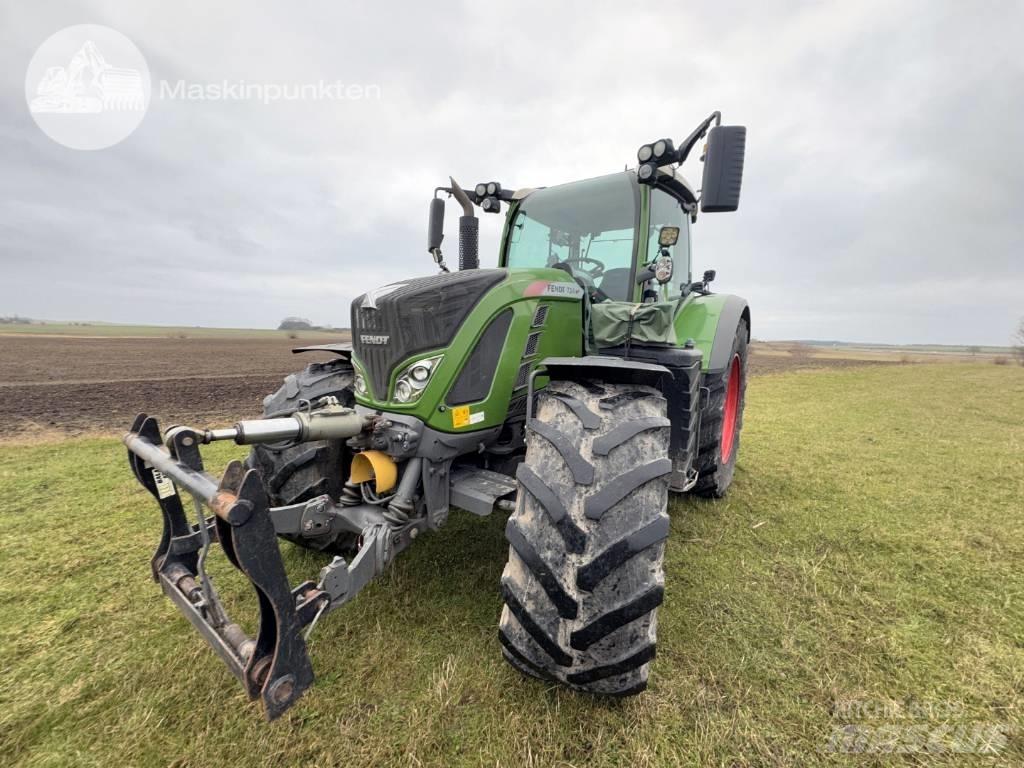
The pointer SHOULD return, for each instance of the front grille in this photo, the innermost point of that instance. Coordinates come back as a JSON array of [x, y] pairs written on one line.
[[540, 316], [413, 316], [523, 377], [532, 342]]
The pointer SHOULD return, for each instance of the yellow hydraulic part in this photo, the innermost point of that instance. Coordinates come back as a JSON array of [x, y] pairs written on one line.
[[375, 465]]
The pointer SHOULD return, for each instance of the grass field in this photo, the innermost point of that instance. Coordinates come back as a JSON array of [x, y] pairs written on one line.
[[866, 569]]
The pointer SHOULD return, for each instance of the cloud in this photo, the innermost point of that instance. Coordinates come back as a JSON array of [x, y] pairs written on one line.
[[881, 194]]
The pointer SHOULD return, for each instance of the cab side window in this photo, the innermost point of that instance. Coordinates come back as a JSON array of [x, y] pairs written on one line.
[[534, 244], [667, 211]]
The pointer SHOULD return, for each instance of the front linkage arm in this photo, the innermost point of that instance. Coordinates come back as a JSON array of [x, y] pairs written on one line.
[[274, 665]]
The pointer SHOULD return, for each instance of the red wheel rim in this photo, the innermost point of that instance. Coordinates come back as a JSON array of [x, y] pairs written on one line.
[[732, 407]]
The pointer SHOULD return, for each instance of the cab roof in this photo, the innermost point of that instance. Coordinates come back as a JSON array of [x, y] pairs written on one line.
[[669, 177]]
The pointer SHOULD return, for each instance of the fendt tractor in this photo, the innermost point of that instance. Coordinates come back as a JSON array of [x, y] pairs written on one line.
[[574, 386]]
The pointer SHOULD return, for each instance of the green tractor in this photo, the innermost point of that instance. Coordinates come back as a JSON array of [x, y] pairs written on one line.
[[575, 386]]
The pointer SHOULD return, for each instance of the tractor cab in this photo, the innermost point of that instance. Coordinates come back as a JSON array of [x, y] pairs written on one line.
[[603, 231]]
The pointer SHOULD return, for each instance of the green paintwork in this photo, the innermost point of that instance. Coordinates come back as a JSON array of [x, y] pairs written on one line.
[[561, 336], [643, 226], [697, 319]]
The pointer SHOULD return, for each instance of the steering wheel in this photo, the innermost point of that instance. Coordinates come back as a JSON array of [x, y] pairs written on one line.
[[594, 272]]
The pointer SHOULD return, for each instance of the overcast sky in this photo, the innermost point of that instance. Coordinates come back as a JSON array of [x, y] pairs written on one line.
[[882, 196]]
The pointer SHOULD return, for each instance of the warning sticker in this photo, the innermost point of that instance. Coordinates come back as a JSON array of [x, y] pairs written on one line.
[[164, 484], [461, 416]]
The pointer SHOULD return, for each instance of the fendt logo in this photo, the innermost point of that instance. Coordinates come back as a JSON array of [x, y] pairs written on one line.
[[367, 338]]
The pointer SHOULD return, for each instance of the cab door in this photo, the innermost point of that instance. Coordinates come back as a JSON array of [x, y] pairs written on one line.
[[666, 210]]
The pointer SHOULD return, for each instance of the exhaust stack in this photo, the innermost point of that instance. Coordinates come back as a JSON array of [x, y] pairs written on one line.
[[469, 230]]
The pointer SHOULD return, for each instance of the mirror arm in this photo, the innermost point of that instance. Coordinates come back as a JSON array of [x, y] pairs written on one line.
[[439, 259], [698, 133]]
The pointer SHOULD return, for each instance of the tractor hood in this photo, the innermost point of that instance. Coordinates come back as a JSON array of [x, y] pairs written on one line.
[[393, 322]]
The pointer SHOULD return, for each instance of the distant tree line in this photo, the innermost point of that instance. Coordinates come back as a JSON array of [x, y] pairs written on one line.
[[295, 324], [303, 324]]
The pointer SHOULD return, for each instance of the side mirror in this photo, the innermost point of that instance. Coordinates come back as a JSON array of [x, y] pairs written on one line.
[[723, 169], [435, 227]]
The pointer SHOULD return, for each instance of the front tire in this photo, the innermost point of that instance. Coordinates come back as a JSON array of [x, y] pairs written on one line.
[[585, 575], [293, 473]]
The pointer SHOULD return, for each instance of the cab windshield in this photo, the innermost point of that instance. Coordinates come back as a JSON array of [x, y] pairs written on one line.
[[587, 227]]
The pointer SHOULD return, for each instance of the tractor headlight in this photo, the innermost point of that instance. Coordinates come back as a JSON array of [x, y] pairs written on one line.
[[664, 151], [359, 384], [644, 153], [481, 190], [403, 392], [414, 379], [420, 372]]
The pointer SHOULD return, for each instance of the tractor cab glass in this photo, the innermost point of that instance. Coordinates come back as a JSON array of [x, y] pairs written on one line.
[[666, 214], [586, 227]]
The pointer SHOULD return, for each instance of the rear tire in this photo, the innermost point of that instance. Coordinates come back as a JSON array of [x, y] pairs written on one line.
[[584, 575], [296, 473], [721, 420]]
